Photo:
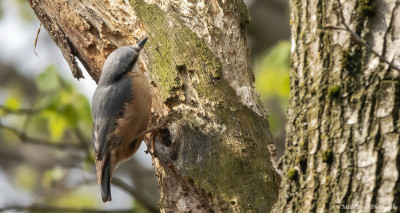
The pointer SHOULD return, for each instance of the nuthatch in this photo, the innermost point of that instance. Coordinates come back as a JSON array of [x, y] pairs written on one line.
[[121, 109]]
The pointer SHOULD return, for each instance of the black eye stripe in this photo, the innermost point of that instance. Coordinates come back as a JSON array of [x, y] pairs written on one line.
[[127, 69]]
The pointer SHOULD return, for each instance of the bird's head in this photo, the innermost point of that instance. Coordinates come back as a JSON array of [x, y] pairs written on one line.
[[119, 62]]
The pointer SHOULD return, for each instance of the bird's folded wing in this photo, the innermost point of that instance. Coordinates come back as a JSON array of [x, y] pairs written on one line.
[[107, 105]]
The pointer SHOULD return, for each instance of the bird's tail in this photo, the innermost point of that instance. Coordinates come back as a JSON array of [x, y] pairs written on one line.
[[105, 181]]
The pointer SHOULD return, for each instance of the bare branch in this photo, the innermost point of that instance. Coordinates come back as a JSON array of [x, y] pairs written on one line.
[[18, 111], [358, 39], [136, 194], [39, 208], [25, 139]]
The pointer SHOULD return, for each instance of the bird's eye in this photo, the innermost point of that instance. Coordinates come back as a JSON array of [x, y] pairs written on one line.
[[136, 48]]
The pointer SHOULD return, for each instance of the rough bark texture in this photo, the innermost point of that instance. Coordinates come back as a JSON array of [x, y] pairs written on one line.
[[343, 120], [215, 155]]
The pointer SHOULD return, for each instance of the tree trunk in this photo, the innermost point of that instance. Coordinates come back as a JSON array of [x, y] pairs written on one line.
[[215, 155], [343, 120]]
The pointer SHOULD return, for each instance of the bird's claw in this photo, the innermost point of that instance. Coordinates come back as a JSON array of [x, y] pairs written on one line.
[[150, 146]]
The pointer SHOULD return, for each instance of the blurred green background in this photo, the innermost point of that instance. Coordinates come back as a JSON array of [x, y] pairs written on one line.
[[46, 155]]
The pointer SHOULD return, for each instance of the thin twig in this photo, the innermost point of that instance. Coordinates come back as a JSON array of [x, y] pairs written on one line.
[[18, 111], [25, 139], [358, 39], [39, 208], [136, 194], [328, 26], [36, 40]]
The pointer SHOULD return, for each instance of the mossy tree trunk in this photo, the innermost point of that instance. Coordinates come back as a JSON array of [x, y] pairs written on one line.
[[343, 120], [215, 156]]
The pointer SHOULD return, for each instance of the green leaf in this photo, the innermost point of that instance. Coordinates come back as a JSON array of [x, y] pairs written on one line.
[[48, 80], [65, 108], [71, 115], [55, 123], [12, 103], [77, 108], [57, 126]]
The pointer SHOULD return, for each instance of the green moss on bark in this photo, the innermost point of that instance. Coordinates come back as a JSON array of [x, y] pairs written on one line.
[[352, 59], [366, 8], [292, 174], [327, 156], [170, 48], [301, 161], [333, 91]]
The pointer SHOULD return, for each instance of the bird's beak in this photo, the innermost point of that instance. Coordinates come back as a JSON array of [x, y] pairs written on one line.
[[141, 43]]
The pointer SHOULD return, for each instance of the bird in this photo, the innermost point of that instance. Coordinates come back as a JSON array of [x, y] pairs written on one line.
[[121, 110]]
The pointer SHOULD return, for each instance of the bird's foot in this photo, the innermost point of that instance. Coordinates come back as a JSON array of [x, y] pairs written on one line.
[[150, 146], [150, 143]]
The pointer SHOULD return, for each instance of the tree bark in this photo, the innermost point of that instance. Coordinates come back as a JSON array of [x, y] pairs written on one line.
[[215, 156], [343, 120]]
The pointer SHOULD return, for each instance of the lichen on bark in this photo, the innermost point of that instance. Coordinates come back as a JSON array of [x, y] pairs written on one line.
[[342, 114]]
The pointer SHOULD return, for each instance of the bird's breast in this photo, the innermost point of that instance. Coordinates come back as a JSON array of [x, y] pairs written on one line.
[[135, 117]]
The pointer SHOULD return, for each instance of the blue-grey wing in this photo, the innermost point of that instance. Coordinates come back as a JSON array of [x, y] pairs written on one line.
[[107, 104]]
